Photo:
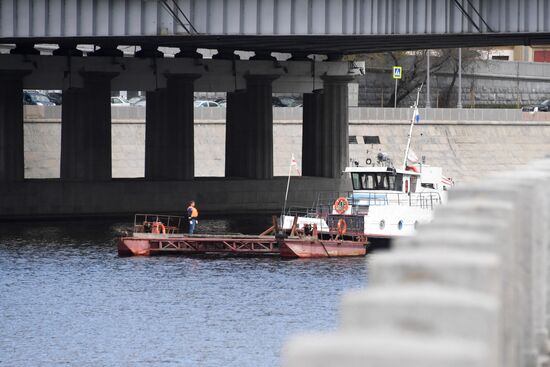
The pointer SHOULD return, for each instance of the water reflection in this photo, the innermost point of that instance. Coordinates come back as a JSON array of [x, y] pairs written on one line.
[[67, 299]]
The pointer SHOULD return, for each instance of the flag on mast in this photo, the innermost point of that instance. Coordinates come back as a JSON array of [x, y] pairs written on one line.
[[412, 157], [294, 163], [416, 116]]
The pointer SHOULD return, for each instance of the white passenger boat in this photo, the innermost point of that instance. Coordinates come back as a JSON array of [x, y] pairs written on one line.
[[385, 202]]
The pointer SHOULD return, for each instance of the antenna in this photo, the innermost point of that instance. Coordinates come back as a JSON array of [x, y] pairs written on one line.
[[413, 121]]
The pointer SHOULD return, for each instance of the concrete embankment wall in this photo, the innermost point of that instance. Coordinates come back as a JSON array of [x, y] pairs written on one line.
[[467, 149], [467, 143], [470, 289]]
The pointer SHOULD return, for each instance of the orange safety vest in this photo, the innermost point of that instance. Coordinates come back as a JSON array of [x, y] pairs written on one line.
[[194, 212]]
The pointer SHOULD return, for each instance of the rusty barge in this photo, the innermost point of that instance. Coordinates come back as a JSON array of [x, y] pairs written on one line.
[[161, 235]]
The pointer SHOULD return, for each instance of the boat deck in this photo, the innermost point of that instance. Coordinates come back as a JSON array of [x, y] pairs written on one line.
[[297, 243], [289, 247], [170, 244]]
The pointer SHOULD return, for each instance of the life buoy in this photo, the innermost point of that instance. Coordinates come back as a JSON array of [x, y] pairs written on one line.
[[158, 228], [369, 161], [412, 168], [341, 205], [342, 227]]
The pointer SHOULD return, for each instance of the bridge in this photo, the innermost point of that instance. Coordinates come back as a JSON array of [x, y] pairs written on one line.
[[301, 28]]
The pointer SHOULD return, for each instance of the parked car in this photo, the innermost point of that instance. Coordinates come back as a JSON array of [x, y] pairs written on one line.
[[119, 101], [541, 107], [55, 97], [276, 102], [221, 101], [36, 98], [135, 100], [284, 102], [201, 103]]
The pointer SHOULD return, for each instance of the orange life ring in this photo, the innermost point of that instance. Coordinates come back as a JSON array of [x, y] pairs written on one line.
[[412, 168], [158, 227], [342, 227], [341, 205]]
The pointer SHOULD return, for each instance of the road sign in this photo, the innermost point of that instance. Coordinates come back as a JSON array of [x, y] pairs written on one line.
[[397, 72]]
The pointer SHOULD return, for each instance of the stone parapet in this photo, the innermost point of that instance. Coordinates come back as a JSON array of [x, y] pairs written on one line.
[[478, 274]]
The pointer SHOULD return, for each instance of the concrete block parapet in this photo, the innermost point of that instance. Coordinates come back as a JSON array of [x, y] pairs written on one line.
[[477, 274], [382, 348]]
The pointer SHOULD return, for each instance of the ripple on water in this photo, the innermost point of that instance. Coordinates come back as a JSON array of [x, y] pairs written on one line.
[[67, 299]]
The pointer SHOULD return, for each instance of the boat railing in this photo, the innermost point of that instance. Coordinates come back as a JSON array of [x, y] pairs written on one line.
[[164, 223], [298, 211], [425, 200], [360, 202]]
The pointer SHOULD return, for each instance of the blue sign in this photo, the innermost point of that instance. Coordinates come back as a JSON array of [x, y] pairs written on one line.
[[397, 72]]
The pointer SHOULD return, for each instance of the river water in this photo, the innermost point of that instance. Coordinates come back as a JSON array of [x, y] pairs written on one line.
[[67, 299]]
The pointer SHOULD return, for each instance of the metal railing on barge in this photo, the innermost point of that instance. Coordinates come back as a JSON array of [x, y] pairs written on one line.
[[144, 223], [360, 202]]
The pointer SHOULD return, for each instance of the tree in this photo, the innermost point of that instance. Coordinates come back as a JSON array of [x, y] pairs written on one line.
[[443, 62]]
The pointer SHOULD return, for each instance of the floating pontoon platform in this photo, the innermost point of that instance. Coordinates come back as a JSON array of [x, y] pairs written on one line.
[[284, 245]]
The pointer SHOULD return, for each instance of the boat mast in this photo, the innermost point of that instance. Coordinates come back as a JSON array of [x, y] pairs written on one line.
[[413, 121], [292, 163]]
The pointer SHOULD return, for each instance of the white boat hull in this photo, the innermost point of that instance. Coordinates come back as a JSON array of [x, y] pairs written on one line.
[[381, 221]]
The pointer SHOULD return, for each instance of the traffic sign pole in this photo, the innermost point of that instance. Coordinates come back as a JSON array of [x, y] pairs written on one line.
[[397, 74], [395, 95]]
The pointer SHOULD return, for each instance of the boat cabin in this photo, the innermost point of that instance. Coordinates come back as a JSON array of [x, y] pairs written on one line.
[[384, 179]]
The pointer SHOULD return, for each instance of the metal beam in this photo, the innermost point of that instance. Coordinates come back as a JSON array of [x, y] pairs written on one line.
[[329, 26], [60, 72]]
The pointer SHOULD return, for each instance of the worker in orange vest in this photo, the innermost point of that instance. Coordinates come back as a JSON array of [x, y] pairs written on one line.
[[193, 215]]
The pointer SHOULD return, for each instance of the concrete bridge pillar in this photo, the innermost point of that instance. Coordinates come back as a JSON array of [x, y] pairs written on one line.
[[334, 150], [86, 129], [249, 139], [235, 134], [11, 126], [169, 131], [311, 134]]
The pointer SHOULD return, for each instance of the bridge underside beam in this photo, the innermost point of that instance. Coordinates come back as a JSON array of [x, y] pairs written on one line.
[[61, 72], [310, 44]]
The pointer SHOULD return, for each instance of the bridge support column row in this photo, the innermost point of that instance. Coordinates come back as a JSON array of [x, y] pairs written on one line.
[[169, 131], [11, 126], [249, 130], [325, 149], [86, 129]]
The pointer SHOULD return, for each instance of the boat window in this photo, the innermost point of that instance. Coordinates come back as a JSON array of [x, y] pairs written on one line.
[[376, 181], [370, 181], [356, 180], [398, 182], [413, 183], [391, 179], [382, 182]]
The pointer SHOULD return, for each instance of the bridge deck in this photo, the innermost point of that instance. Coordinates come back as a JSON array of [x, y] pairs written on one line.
[[346, 26]]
